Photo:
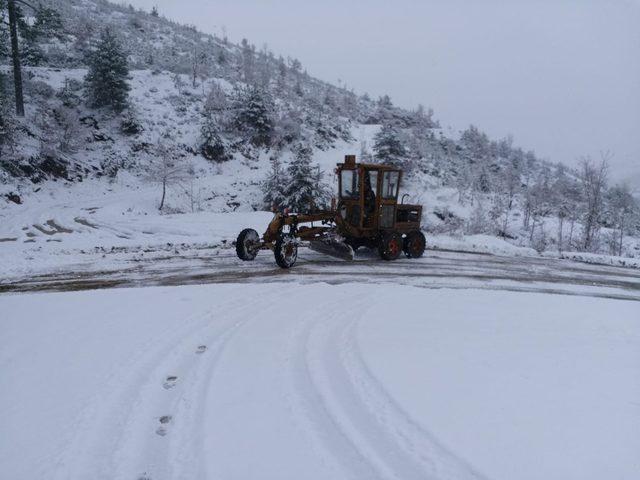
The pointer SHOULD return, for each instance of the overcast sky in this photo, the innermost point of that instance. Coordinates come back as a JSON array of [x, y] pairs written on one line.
[[563, 77]]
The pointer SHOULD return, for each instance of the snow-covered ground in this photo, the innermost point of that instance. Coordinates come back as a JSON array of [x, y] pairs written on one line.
[[290, 381]]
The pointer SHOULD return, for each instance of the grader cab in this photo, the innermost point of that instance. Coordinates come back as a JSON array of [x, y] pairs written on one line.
[[367, 214]]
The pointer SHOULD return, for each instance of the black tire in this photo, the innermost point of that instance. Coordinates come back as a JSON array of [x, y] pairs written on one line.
[[414, 244], [286, 250], [390, 245], [247, 244]]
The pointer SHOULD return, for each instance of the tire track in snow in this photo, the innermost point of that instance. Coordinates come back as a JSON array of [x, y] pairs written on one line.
[[330, 442], [417, 442], [369, 431]]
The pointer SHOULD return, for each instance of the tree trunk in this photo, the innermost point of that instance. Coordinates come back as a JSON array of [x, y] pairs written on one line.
[[571, 232], [164, 192], [533, 228], [560, 232], [505, 224], [621, 235], [15, 55]]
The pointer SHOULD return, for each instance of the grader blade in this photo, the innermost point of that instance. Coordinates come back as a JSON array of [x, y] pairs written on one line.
[[333, 248]]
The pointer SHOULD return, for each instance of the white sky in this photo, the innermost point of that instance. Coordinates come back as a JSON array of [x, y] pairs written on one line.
[[563, 76]]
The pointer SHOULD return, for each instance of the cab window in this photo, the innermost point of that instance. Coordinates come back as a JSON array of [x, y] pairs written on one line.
[[390, 182], [349, 184]]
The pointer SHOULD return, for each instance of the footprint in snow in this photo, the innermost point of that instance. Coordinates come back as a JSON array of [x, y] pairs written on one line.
[[164, 422], [201, 349], [170, 382]]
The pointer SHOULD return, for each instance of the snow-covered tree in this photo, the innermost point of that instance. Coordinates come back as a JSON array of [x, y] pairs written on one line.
[[167, 167], [622, 206], [252, 112], [504, 197], [388, 147], [274, 186], [8, 124], [593, 180], [213, 143], [305, 191], [48, 24], [106, 82], [565, 200]]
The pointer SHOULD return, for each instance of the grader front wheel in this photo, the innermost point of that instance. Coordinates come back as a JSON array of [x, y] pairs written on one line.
[[286, 250], [247, 244]]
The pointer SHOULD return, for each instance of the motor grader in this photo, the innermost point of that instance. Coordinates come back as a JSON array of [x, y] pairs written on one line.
[[367, 214]]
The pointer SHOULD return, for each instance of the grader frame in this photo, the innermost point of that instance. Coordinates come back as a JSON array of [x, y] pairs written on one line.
[[367, 214]]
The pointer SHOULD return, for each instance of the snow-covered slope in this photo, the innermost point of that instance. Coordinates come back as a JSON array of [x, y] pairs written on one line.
[[64, 155]]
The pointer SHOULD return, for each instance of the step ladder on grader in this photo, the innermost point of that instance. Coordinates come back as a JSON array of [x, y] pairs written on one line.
[[367, 214]]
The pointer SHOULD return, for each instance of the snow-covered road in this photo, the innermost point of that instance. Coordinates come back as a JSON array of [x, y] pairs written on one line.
[[437, 269], [281, 380]]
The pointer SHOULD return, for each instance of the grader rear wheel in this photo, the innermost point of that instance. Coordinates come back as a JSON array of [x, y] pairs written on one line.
[[390, 246], [286, 250], [247, 244], [414, 244]]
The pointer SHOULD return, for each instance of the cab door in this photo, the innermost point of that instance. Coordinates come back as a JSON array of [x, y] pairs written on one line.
[[350, 190], [389, 187]]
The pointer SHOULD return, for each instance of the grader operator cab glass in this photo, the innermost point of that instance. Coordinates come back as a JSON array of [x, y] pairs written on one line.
[[390, 183], [349, 184]]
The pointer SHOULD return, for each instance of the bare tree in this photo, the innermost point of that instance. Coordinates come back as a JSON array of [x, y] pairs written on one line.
[[68, 121], [167, 167], [621, 205], [566, 201], [198, 65], [593, 180], [508, 188]]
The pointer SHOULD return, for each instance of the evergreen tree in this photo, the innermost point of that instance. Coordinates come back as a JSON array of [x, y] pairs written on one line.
[[5, 48], [253, 115], [274, 186], [48, 24], [305, 191], [8, 126], [212, 143], [387, 146], [213, 146], [106, 81]]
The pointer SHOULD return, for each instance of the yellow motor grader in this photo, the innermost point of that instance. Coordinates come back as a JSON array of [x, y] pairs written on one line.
[[367, 214]]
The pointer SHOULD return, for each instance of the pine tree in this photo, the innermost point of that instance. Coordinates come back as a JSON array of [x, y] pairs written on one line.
[[48, 24], [7, 127], [253, 115], [274, 186], [305, 191], [106, 81], [212, 143], [213, 146], [388, 147]]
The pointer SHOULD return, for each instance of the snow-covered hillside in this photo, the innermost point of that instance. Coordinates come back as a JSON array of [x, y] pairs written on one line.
[[193, 98]]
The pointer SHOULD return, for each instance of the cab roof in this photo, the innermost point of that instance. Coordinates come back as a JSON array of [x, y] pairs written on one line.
[[368, 166]]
